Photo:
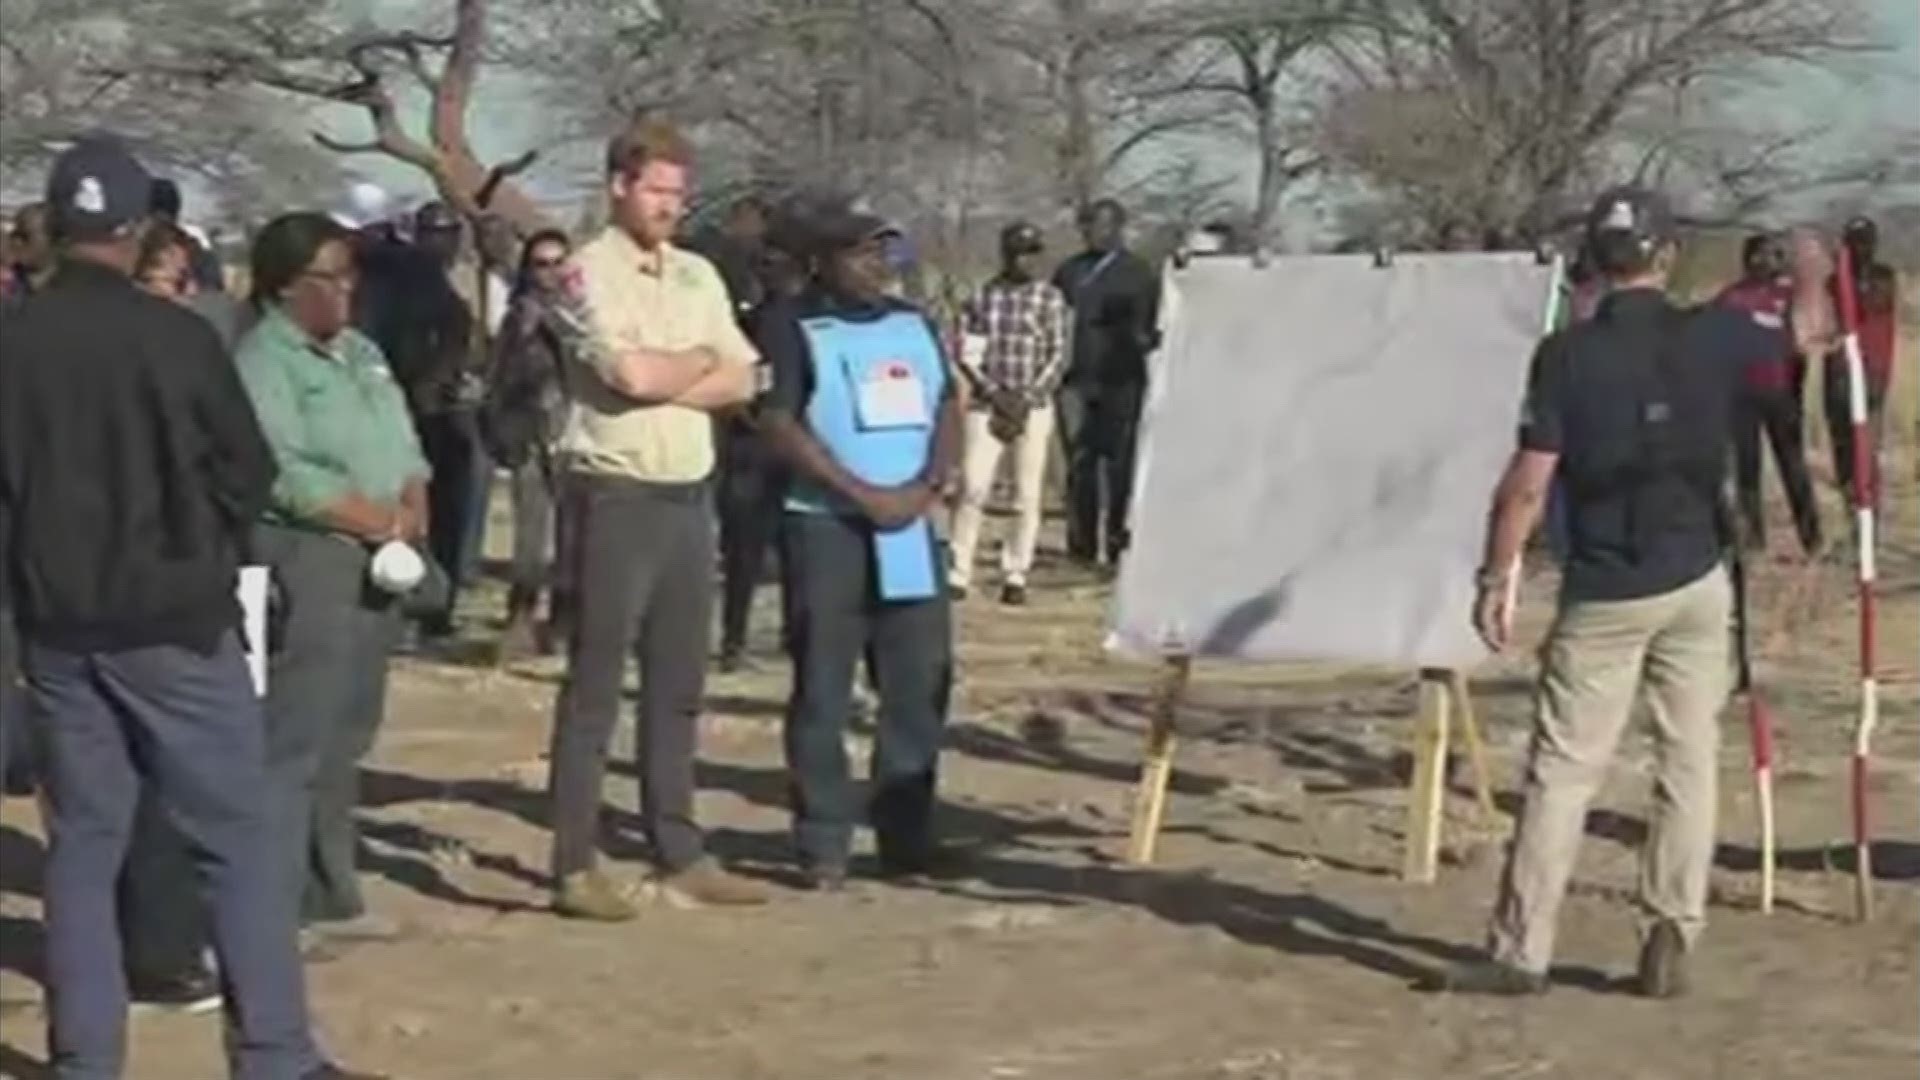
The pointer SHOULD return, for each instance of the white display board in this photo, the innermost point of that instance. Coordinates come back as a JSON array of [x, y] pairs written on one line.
[[1318, 453]]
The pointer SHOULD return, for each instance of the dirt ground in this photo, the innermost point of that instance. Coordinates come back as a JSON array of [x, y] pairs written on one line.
[[1273, 940]]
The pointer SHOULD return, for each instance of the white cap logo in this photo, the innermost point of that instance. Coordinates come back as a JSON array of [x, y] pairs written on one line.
[[1620, 216], [90, 196]]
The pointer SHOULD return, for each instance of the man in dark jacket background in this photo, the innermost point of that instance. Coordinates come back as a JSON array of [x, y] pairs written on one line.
[[1115, 297]]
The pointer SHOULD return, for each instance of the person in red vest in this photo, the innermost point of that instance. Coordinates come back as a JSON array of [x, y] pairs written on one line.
[[1772, 398], [1876, 290]]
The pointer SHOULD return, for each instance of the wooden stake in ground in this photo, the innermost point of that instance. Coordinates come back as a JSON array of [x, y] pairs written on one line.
[[1864, 498], [1427, 791], [1476, 747], [1156, 765]]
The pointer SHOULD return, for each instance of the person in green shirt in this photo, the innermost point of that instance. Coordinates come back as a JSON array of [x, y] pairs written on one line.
[[351, 479]]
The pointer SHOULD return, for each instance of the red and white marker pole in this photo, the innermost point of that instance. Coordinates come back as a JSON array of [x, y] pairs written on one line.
[[1864, 498]]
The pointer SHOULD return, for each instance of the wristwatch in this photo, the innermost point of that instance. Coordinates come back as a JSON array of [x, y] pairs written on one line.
[[1489, 579]]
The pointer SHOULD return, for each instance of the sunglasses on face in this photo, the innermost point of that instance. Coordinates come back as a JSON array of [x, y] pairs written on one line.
[[548, 264]]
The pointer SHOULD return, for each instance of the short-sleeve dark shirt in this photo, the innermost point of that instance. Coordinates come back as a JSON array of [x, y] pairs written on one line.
[[1584, 397]]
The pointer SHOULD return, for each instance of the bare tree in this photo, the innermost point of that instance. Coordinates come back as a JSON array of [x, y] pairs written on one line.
[[312, 53], [59, 78], [1493, 113], [1248, 56]]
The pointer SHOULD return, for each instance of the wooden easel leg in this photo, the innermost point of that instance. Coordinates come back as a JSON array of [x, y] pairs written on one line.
[[1156, 766], [1476, 747], [1428, 789]]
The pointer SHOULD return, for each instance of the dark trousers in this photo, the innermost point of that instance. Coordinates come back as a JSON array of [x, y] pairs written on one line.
[[1098, 425], [186, 727], [1839, 409], [16, 757], [750, 497], [1779, 417], [163, 918], [643, 556], [838, 617], [326, 698], [451, 443]]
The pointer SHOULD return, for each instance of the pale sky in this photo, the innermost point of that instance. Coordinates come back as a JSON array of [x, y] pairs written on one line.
[[1874, 94]]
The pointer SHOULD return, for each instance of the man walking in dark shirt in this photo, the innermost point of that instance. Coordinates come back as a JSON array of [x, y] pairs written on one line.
[[1115, 297], [131, 468]]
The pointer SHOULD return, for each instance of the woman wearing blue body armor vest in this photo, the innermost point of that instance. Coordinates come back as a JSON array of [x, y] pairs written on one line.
[[860, 407]]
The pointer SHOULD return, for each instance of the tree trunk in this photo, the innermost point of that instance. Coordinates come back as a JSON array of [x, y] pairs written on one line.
[[1272, 179], [1079, 158]]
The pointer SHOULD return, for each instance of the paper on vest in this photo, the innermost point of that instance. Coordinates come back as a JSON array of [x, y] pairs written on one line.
[[877, 387], [1319, 448]]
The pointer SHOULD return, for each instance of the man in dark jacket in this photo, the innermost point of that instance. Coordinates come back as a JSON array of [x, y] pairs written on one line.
[[1116, 313], [131, 467]]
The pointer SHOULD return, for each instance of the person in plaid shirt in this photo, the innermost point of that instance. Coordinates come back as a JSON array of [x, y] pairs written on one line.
[[1013, 351]]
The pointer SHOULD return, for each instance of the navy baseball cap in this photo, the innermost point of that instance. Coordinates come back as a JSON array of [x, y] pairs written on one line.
[[97, 189]]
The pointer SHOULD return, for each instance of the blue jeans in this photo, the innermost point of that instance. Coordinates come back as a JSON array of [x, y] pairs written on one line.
[[187, 727]]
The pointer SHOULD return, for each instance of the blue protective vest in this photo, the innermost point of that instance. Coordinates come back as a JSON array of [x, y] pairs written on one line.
[[850, 361], [844, 354]]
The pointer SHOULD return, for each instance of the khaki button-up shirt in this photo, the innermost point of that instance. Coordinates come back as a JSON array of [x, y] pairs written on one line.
[[669, 300]]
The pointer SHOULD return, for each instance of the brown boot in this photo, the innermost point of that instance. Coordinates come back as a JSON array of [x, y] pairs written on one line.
[[590, 896], [705, 884]]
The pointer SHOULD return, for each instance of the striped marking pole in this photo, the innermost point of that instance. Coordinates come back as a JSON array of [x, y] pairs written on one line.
[[1864, 497]]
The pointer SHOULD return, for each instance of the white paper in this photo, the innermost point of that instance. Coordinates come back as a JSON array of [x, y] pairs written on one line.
[[1318, 452]]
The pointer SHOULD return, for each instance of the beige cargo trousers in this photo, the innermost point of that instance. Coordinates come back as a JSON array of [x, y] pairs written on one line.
[[1597, 658]]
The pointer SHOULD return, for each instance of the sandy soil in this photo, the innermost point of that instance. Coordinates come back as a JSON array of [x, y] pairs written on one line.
[[1273, 940]]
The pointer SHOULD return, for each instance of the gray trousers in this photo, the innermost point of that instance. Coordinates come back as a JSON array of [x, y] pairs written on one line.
[[1595, 664], [643, 565], [838, 618], [186, 727], [326, 697]]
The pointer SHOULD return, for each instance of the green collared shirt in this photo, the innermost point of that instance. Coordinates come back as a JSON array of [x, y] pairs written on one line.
[[336, 420]]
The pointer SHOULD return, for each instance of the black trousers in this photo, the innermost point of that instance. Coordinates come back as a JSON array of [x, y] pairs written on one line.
[[164, 923], [451, 443], [643, 556], [750, 498], [1098, 428], [1839, 409], [1779, 417], [838, 618]]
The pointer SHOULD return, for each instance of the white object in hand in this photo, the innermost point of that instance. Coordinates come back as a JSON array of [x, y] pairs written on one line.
[[397, 568]]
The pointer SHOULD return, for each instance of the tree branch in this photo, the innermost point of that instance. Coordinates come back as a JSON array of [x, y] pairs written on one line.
[[448, 123]]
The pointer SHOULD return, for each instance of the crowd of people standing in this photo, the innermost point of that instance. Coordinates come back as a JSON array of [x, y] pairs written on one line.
[[663, 409]]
